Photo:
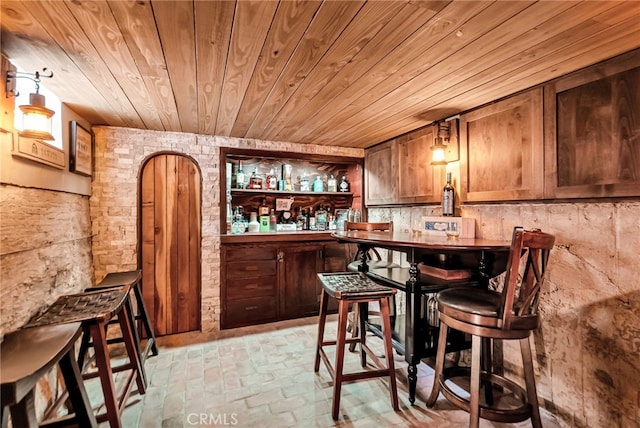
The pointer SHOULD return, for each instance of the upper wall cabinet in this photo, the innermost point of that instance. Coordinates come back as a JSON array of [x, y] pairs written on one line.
[[399, 171], [501, 150], [592, 131]]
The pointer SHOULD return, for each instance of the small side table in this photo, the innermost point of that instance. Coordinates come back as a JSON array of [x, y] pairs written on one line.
[[27, 355]]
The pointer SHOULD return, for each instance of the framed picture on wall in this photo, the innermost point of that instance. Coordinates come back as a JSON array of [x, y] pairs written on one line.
[[80, 149]]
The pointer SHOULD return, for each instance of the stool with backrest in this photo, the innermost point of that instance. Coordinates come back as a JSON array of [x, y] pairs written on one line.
[[373, 260], [354, 288], [509, 314]]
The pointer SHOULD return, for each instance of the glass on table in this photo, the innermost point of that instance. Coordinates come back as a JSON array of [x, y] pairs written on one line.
[[417, 226], [452, 230]]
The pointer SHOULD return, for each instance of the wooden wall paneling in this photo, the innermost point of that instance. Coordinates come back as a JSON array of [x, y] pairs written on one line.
[[381, 182], [501, 150], [137, 24], [592, 131], [213, 32], [175, 23]]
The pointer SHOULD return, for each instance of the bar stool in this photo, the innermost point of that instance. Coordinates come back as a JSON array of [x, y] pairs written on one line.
[[27, 355], [354, 288], [365, 261], [487, 315], [139, 319], [95, 309]]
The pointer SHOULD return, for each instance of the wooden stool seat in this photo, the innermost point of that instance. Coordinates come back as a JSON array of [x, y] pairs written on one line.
[[354, 288], [27, 355], [139, 318], [95, 309]]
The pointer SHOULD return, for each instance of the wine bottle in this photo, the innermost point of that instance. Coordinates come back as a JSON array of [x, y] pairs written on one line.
[[448, 198]]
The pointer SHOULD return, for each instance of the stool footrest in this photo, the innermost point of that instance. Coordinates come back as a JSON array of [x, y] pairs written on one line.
[[498, 414]]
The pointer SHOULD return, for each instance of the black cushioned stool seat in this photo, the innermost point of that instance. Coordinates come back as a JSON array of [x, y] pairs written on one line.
[[354, 288], [95, 309]]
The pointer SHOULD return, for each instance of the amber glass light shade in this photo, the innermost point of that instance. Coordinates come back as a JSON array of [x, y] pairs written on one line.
[[36, 119]]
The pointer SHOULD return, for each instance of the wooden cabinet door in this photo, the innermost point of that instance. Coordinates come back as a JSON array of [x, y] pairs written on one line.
[[416, 179], [592, 131], [298, 268], [501, 150], [381, 178]]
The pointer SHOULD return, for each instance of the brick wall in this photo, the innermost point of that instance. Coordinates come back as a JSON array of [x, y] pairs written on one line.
[[120, 153]]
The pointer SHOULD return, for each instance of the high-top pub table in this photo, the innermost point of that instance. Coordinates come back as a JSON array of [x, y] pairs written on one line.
[[483, 258]]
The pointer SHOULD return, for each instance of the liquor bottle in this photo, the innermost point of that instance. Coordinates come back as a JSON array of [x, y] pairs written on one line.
[[305, 220], [271, 181], [318, 184], [254, 225], [263, 209], [305, 183], [300, 220], [240, 176], [255, 182], [273, 221], [321, 218], [344, 184], [312, 220], [448, 198], [332, 184]]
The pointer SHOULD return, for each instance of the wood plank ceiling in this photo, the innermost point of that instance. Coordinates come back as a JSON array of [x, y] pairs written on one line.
[[345, 73]]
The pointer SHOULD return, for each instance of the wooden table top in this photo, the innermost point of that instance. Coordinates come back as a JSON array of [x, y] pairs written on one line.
[[406, 240]]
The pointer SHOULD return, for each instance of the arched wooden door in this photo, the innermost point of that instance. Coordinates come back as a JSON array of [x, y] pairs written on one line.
[[170, 242]]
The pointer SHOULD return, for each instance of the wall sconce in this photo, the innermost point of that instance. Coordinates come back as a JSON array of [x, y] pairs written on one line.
[[36, 117], [438, 156]]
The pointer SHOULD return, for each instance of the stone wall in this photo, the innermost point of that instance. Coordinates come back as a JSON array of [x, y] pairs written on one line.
[[45, 251], [120, 153], [588, 347]]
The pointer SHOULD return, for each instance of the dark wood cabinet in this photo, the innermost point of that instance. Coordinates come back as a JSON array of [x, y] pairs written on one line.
[[265, 282], [299, 265]]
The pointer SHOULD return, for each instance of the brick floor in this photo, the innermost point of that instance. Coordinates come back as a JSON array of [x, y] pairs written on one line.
[[262, 376]]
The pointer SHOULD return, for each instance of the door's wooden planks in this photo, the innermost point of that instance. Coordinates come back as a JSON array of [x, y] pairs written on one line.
[[171, 243], [147, 236], [161, 282], [183, 237], [193, 246]]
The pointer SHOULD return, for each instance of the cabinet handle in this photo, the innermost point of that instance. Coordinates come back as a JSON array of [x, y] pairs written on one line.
[[251, 268], [250, 308], [280, 256]]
